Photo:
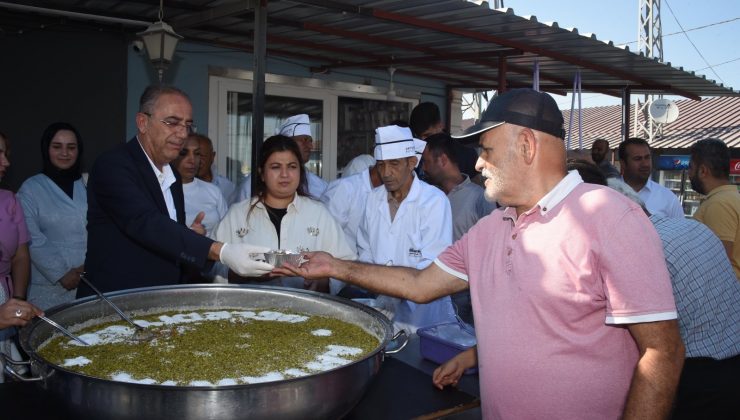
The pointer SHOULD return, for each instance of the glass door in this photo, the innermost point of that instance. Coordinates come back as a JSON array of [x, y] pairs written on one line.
[[343, 118], [358, 119], [232, 133]]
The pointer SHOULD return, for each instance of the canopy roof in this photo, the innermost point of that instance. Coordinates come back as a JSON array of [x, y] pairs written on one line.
[[459, 43]]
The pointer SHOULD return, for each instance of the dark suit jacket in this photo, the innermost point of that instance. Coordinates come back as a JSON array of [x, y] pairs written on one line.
[[131, 240]]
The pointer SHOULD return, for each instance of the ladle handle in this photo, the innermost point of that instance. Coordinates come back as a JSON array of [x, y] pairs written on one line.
[[112, 305], [63, 330]]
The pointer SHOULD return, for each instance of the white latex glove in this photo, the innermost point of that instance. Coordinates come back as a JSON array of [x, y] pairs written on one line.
[[237, 257]]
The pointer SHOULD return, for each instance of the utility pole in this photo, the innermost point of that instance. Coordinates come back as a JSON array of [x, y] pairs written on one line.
[[650, 43]]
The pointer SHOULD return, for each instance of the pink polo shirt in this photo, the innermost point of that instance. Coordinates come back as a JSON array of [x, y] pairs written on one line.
[[552, 292]]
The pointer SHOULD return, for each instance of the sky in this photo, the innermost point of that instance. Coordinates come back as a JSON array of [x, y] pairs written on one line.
[[617, 20]]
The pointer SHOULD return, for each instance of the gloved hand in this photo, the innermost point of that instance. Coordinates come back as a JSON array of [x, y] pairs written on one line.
[[239, 259]]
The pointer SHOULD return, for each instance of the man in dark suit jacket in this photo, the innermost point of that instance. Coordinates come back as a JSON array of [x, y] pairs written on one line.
[[136, 213]]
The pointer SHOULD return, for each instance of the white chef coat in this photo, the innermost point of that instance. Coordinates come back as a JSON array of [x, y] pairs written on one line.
[[58, 243], [307, 225], [421, 230], [205, 197], [345, 199], [316, 187]]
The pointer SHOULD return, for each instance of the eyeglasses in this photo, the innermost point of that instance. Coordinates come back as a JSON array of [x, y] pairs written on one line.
[[174, 124]]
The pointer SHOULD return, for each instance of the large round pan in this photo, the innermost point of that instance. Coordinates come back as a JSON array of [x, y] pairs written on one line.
[[329, 394]]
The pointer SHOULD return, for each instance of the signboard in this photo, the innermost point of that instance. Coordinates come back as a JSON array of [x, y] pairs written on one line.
[[734, 166], [673, 162]]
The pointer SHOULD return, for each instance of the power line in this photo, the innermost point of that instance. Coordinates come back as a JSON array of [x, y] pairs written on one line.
[[691, 29], [692, 42], [717, 65], [583, 99]]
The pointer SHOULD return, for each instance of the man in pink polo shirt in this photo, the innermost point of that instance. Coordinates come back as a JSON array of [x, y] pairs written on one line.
[[574, 319]]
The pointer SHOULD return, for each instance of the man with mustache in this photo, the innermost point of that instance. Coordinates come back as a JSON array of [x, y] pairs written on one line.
[[637, 168], [565, 327], [137, 235], [406, 222]]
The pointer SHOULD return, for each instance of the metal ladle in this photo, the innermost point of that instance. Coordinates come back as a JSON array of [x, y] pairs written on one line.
[[63, 330], [140, 333]]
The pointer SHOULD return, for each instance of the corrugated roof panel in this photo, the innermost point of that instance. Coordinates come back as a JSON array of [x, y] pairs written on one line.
[[715, 117], [434, 27]]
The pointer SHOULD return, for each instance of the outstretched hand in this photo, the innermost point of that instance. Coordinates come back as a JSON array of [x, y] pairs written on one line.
[[241, 259], [317, 265]]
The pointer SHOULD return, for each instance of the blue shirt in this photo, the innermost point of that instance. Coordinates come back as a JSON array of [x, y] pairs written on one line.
[[704, 287]]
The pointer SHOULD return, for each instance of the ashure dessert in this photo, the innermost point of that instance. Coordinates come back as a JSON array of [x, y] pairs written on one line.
[[212, 347]]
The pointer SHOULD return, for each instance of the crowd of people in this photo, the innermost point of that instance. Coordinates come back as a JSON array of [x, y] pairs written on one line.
[[591, 294]]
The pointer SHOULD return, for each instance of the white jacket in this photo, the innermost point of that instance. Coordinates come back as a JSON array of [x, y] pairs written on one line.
[[57, 225], [421, 230], [345, 199], [306, 226], [202, 196]]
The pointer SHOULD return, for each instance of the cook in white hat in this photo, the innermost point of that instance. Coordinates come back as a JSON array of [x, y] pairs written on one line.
[[298, 127], [394, 143], [407, 223]]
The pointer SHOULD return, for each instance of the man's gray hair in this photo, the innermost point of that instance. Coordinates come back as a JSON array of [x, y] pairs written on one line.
[[152, 93], [627, 191]]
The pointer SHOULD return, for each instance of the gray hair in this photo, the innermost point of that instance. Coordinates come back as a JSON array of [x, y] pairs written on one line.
[[152, 93], [627, 191]]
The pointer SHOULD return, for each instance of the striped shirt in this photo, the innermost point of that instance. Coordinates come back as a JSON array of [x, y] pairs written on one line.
[[704, 286]]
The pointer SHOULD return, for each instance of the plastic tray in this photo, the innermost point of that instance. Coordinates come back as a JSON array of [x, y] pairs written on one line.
[[440, 343]]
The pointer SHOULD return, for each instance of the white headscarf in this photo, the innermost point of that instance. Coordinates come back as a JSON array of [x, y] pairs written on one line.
[[297, 125]]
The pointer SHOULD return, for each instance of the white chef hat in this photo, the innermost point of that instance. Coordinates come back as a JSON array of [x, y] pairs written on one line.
[[297, 125], [394, 142], [357, 165], [419, 146]]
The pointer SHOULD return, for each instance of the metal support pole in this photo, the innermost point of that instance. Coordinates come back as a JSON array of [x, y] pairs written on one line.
[[626, 113], [501, 74], [258, 84], [448, 103]]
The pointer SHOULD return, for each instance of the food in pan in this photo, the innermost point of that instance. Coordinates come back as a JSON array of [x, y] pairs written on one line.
[[212, 347]]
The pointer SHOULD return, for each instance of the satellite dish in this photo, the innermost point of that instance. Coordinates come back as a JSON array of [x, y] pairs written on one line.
[[663, 111]]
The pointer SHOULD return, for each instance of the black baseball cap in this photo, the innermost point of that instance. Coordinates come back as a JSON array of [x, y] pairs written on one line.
[[526, 107]]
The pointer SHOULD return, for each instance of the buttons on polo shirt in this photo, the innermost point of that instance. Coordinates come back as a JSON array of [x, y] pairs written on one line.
[[508, 252], [513, 236]]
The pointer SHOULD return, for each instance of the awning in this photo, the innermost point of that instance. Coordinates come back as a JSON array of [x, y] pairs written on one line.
[[459, 43]]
